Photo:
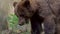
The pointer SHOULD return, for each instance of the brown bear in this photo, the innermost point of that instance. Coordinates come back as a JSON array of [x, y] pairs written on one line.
[[36, 20], [38, 11]]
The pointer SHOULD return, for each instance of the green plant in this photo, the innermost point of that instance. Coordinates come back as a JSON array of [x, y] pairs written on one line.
[[13, 20]]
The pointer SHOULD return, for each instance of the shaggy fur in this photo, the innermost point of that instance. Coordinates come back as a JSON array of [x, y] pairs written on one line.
[[38, 11]]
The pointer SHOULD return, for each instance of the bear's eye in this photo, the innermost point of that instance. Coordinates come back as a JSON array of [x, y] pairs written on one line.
[[22, 15]]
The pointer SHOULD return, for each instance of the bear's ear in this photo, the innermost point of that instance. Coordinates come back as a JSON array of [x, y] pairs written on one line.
[[14, 4]]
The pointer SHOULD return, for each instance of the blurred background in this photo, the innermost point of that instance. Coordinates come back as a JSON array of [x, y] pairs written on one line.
[[9, 21]]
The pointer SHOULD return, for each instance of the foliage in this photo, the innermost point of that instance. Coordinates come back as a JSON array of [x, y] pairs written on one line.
[[13, 20]]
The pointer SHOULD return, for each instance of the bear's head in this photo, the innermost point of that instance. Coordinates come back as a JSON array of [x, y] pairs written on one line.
[[23, 11]]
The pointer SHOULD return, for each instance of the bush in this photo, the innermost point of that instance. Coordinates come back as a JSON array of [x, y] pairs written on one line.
[[13, 20]]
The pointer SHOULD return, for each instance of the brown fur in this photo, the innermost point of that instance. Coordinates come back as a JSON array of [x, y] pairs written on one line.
[[49, 10]]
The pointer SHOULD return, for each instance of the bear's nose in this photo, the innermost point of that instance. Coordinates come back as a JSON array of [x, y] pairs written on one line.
[[21, 24]]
